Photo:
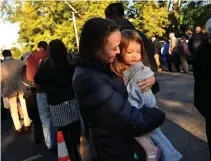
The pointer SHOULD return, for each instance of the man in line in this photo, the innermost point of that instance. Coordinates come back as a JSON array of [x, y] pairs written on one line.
[[115, 11], [173, 64], [157, 50], [196, 40], [12, 88], [33, 62], [202, 75]]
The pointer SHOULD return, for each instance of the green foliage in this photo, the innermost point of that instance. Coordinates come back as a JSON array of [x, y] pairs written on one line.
[[47, 20], [150, 17], [16, 52], [194, 13]]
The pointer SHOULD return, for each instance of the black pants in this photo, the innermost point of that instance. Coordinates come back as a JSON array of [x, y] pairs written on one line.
[[173, 63], [208, 131], [72, 133], [184, 63], [31, 103]]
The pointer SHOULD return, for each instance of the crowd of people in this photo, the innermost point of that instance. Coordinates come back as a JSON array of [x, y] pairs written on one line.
[[109, 86], [177, 53]]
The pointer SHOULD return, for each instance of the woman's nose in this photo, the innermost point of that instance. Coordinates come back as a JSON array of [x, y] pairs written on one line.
[[118, 51]]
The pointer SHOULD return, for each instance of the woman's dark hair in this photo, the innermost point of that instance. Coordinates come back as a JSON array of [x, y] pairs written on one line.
[[57, 54], [6, 53], [94, 35]]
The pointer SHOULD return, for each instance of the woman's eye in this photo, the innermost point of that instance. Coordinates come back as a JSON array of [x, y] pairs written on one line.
[[129, 52]]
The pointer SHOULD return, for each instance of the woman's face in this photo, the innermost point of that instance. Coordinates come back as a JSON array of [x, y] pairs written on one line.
[[111, 48], [132, 54]]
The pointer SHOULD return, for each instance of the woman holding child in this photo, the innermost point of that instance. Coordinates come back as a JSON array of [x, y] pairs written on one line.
[[103, 97]]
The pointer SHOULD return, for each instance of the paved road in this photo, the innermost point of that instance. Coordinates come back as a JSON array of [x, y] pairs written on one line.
[[184, 125]]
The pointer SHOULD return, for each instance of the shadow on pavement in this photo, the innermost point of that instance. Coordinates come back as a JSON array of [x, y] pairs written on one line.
[[21, 147]]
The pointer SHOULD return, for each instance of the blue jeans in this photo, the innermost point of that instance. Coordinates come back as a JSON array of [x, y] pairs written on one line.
[[45, 117]]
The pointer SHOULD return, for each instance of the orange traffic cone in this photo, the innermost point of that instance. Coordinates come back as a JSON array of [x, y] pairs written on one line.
[[62, 149]]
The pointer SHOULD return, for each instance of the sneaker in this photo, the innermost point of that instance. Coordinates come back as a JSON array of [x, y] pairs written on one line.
[[155, 156]]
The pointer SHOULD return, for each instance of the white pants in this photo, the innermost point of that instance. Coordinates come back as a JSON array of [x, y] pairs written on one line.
[[14, 111]]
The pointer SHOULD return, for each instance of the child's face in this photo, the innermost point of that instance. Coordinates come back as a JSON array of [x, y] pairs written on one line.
[[132, 54]]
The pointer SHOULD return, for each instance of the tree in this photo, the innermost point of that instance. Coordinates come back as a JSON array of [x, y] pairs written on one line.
[[150, 17], [16, 52], [47, 20], [195, 13]]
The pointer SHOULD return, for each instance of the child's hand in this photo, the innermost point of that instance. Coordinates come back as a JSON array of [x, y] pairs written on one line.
[[146, 84]]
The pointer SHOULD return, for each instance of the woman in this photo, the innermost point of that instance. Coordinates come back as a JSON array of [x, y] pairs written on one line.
[[102, 96], [55, 76], [184, 54]]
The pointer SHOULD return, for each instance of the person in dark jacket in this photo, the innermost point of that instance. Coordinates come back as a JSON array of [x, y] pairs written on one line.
[[31, 104], [184, 54], [165, 52], [115, 12], [33, 62], [55, 77], [102, 95], [202, 75], [157, 50], [195, 40]]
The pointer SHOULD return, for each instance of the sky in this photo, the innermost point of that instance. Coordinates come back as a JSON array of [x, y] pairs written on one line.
[[8, 34]]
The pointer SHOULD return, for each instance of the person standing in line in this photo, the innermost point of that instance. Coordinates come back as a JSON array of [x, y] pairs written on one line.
[[33, 63], [172, 49], [103, 98], [31, 103], [157, 50], [195, 40], [184, 54], [202, 76], [55, 76], [12, 88], [115, 12], [165, 51]]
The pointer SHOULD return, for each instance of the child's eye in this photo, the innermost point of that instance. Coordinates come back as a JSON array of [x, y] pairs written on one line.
[[129, 52]]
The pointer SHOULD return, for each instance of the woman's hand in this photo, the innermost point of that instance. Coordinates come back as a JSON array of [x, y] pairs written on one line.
[[146, 84]]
